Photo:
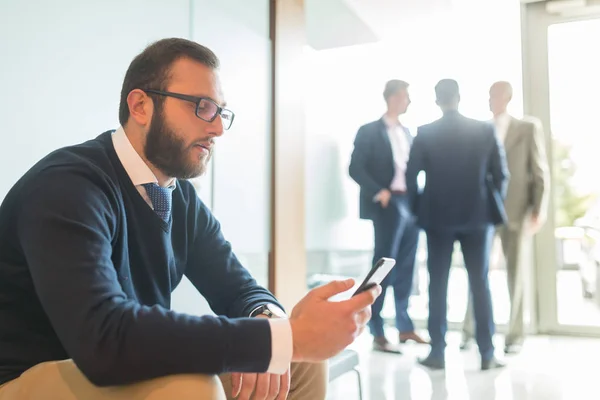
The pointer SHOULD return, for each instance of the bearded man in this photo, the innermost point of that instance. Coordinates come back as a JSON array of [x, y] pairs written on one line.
[[95, 237]]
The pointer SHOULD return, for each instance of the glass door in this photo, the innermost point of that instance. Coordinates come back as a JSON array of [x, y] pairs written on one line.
[[562, 85]]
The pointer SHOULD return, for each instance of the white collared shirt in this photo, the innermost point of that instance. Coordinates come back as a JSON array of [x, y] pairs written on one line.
[[139, 173], [400, 151], [502, 123], [136, 168]]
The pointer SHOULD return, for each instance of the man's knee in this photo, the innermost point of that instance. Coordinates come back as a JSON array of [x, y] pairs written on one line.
[[309, 380], [184, 387], [63, 380]]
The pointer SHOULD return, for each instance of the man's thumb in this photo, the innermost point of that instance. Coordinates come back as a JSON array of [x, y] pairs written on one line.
[[236, 384], [332, 288]]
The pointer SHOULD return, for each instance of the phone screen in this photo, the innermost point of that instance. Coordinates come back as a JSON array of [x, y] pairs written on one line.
[[377, 274]]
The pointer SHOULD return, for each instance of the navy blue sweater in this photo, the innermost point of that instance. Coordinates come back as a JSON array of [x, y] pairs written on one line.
[[87, 269]]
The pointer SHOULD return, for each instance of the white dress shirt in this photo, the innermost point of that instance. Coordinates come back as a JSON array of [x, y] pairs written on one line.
[[140, 173], [502, 122], [400, 150]]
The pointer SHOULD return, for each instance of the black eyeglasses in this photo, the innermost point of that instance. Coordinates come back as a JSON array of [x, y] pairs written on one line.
[[206, 109]]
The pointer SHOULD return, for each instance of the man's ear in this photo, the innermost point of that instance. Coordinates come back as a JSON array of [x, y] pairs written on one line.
[[140, 106]]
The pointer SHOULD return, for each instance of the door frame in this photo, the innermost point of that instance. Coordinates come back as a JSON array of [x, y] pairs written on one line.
[[535, 21]]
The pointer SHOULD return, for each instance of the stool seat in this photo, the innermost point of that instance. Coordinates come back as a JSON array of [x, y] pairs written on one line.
[[345, 361]]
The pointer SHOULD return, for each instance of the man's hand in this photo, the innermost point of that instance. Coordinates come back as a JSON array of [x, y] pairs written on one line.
[[535, 224], [322, 328], [383, 197], [264, 386]]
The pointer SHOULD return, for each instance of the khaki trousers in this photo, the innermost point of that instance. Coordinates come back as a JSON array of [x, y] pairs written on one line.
[[62, 380]]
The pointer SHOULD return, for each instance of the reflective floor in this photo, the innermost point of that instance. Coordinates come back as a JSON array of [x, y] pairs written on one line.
[[548, 368]]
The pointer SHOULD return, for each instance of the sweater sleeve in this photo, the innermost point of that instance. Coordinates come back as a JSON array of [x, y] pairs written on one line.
[[216, 272], [65, 226]]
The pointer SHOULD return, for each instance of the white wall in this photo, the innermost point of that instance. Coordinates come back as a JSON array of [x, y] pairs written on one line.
[[239, 33], [62, 67], [63, 62]]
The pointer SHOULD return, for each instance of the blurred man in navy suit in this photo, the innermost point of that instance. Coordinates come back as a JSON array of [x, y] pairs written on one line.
[[465, 182], [378, 165]]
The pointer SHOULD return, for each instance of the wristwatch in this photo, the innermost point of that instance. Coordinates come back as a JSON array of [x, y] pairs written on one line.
[[268, 310]]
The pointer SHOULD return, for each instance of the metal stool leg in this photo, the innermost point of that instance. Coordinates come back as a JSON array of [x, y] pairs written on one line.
[[360, 392]]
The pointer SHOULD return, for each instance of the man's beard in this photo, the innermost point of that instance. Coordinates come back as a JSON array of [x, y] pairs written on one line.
[[168, 152]]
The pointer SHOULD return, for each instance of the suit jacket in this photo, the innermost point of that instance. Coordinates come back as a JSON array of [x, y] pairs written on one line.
[[372, 164], [465, 174], [529, 183]]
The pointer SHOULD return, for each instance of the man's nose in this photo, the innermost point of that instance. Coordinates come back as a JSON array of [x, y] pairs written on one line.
[[217, 128]]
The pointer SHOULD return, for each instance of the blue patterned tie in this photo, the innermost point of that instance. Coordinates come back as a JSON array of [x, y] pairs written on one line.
[[161, 199]]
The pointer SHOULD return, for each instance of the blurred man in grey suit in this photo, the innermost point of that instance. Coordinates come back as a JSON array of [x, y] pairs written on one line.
[[525, 204]]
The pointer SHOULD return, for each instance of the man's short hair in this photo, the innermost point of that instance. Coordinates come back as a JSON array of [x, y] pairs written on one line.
[[392, 87], [150, 69], [446, 91]]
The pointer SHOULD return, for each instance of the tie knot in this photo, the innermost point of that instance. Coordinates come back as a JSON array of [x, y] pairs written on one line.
[[161, 199]]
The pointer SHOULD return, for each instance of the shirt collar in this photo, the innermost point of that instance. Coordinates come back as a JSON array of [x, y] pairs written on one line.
[[390, 122], [503, 118], [137, 170]]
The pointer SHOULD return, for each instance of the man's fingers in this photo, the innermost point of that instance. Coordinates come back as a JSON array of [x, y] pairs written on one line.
[[362, 317], [361, 330], [261, 390], [332, 288], [363, 300], [284, 386], [236, 384], [274, 386], [248, 385]]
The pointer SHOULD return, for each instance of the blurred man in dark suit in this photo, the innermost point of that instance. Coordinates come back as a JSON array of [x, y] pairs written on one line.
[[465, 181], [378, 165]]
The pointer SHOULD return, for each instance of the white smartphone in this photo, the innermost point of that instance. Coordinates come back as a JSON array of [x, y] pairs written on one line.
[[377, 274]]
